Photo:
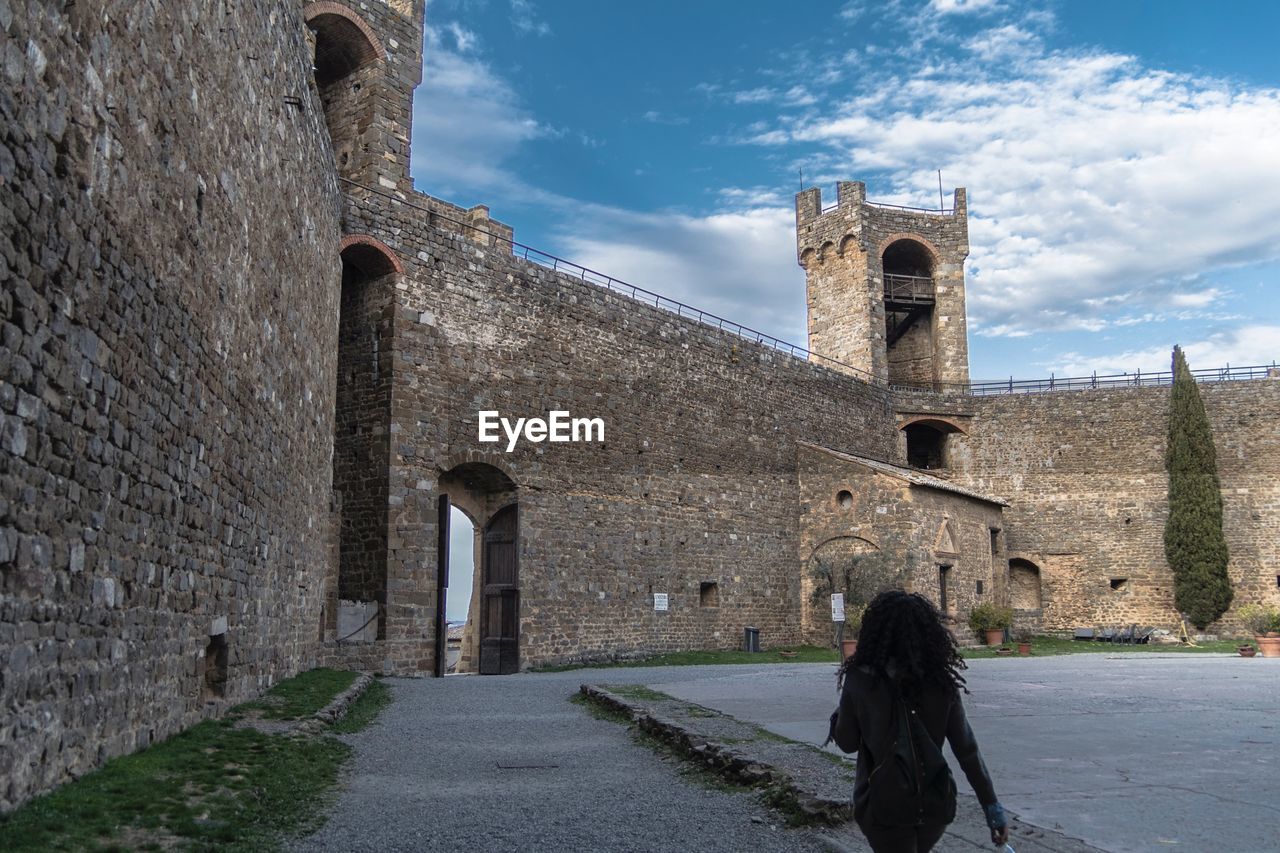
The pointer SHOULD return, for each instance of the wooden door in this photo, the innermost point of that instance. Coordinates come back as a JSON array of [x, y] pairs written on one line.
[[500, 598]]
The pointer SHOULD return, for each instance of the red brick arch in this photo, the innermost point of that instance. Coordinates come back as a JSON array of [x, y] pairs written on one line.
[[364, 249], [908, 235], [350, 41], [938, 422]]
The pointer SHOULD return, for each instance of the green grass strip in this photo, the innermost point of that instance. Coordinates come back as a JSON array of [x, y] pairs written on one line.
[[212, 787], [303, 695]]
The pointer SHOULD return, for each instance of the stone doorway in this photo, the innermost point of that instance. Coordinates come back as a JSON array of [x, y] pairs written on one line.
[[482, 514]]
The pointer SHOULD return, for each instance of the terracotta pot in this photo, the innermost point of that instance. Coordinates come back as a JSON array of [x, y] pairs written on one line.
[[995, 636], [787, 654], [1004, 651], [1268, 646], [1247, 651], [847, 648], [1271, 635], [1024, 649]]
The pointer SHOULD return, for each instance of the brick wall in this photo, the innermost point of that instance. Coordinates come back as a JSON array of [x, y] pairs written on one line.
[[166, 370], [872, 507], [695, 482], [1084, 474]]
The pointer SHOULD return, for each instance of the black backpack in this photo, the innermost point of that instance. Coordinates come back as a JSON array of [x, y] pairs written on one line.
[[911, 783]]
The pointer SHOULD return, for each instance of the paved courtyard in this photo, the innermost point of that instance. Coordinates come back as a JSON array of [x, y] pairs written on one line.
[[1126, 753], [1149, 752]]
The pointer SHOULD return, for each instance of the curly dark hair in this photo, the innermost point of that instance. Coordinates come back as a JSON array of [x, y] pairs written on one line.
[[908, 629]]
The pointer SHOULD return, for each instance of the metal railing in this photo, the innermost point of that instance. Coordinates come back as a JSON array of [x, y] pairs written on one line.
[[680, 309], [639, 294], [908, 288], [1137, 379]]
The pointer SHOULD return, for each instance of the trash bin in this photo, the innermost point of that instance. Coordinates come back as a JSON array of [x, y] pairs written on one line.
[[751, 639]]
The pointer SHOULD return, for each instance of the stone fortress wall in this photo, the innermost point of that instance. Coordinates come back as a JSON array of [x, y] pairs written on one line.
[[1084, 474], [168, 229], [242, 361]]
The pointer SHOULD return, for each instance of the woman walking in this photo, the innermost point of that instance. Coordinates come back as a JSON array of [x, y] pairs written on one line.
[[899, 699]]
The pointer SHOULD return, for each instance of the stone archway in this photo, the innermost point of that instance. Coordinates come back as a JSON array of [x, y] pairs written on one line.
[[489, 497], [361, 436], [845, 564]]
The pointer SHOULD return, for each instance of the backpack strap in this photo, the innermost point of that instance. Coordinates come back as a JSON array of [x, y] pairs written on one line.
[[891, 736]]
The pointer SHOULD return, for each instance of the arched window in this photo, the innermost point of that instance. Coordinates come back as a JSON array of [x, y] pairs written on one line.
[[927, 440]]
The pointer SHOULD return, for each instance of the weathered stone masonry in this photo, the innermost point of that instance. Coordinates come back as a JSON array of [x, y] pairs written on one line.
[[168, 235], [1084, 474], [695, 483], [241, 361]]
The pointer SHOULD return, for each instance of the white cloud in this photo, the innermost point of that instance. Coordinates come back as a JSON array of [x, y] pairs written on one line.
[[738, 264], [961, 7], [659, 117], [758, 95], [524, 17], [1245, 346], [467, 120], [1099, 188]]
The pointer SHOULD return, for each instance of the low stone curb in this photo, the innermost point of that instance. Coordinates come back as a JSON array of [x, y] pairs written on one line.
[[732, 749], [799, 777], [337, 707]]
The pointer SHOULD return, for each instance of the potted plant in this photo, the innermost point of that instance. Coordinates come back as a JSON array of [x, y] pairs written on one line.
[[990, 621], [1247, 650], [1264, 621], [1023, 639], [852, 625]]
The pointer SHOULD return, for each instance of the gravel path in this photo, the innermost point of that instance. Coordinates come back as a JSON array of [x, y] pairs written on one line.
[[502, 764]]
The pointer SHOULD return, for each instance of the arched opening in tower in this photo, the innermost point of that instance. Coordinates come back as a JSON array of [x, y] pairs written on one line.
[[348, 65], [909, 314], [361, 443]]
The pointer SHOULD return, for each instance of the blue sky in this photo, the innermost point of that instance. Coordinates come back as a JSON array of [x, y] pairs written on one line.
[[1122, 159]]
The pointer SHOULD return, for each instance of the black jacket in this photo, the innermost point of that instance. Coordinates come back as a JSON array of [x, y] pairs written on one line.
[[866, 712]]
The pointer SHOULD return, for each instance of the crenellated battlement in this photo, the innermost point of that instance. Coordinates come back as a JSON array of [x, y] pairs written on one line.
[[886, 285]]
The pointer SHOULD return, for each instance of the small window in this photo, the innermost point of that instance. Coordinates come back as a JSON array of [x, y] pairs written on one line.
[[979, 587], [215, 667], [708, 594], [995, 541], [926, 446], [943, 604], [1119, 584], [844, 497]]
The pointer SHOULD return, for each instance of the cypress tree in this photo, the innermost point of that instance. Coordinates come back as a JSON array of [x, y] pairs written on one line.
[[1193, 540]]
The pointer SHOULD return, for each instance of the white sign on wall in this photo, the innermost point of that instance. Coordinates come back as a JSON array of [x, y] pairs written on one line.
[[659, 601], [837, 607]]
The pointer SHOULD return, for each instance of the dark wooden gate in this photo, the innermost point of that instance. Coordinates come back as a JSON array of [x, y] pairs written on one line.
[[500, 599]]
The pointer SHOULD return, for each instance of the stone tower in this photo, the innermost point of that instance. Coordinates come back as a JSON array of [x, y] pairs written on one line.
[[886, 287], [368, 59]]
